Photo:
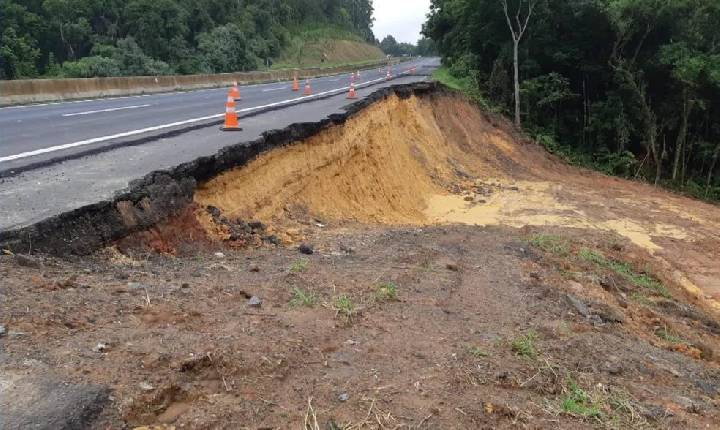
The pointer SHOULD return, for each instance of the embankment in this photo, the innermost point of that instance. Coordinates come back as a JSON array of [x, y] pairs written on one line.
[[162, 194]]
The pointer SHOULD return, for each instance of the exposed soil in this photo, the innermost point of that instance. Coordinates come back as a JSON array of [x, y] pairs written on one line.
[[451, 277]]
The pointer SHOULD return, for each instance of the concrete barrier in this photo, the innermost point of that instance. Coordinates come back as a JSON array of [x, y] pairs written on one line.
[[47, 90]]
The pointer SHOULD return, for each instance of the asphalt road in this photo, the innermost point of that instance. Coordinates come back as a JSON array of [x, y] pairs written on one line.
[[42, 132], [79, 180]]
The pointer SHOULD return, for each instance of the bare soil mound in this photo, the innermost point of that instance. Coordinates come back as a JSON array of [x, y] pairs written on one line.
[[440, 160]]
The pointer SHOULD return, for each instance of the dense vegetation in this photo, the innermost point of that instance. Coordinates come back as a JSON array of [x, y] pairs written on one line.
[[83, 38], [628, 86]]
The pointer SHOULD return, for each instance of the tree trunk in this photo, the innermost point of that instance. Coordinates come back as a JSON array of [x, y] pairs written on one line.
[[651, 139], [682, 135], [713, 163], [516, 67]]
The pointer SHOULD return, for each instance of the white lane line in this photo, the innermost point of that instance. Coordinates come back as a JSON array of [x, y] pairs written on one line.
[[165, 93], [274, 89], [90, 112], [174, 124]]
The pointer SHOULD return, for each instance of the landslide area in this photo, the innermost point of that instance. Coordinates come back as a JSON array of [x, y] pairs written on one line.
[[418, 266], [439, 160]]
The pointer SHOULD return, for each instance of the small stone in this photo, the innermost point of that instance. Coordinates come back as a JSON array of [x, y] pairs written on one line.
[[213, 211], [101, 347], [579, 306], [608, 314], [27, 261], [613, 365], [254, 268], [272, 239], [145, 386], [3, 330], [452, 267], [306, 249], [256, 225], [137, 286], [514, 189], [469, 198], [185, 285], [344, 397], [688, 404], [255, 302], [219, 255], [293, 232]]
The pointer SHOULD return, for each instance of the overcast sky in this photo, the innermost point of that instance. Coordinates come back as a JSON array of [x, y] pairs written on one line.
[[401, 18]]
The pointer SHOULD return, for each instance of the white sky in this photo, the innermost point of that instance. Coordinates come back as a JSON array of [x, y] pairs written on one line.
[[401, 18]]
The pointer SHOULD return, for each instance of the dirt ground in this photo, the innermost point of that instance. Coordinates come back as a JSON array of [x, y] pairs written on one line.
[[418, 268]]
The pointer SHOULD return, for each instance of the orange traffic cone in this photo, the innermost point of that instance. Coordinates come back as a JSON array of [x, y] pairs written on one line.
[[308, 89], [352, 77], [358, 75], [388, 75], [235, 91], [296, 84], [352, 94], [231, 118]]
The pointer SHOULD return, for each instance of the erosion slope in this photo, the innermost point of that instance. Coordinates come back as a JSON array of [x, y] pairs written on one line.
[[440, 160]]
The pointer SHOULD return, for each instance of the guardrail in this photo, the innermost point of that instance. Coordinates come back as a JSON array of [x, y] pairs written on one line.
[[47, 90]]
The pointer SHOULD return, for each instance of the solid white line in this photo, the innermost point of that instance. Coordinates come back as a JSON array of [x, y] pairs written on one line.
[[174, 124], [273, 89], [105, 110]]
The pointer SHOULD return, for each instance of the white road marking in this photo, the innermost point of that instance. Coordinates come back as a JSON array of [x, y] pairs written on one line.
[[173, 124], [274, 89], [163, 93], [90, 112]]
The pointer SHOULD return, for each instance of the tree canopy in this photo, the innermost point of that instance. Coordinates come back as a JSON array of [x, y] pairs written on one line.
[[629, 86], [82, 38]]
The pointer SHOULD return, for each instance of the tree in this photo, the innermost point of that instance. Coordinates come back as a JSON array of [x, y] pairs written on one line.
[[18, 55], [627, 86], [225, 49], [389, 45], [517, 27]]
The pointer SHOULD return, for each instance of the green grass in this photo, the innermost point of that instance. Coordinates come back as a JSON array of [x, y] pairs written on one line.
[[443, 76], [344, 306], [668, 336], [386, 292], [592, 256], [476, 351], [524, 345], [551, 243], [626, 271], [307, 44], [300, 265], [641, 298], [302, 298], [579, 403]]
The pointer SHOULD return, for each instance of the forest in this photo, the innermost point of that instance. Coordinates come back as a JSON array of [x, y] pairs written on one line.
[[630, 87], [88, 38]]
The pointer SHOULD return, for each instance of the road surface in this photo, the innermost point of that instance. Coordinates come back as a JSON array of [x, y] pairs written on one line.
[[93, 149]]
